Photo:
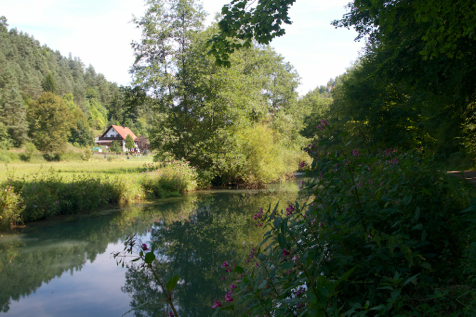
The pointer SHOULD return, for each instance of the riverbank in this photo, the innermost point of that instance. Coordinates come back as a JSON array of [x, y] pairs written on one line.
[[33, 192]]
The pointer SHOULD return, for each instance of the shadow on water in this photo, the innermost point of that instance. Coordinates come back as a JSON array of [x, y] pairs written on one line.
[[194, 234]]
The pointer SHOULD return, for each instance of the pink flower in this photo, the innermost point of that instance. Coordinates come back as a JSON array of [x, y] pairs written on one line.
[[355, 152], [285, 253], [225, 264], [217, 304], [232, 286], [228, 297], [289, 210], [171, 314], [144, 247]]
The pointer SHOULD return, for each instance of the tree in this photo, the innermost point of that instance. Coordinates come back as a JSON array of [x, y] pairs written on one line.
[[50, 123], [129, 142], [201, 107], [49, 84], [12, 108], [242, 23]]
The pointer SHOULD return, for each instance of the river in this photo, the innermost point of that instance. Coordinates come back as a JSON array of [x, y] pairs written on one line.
[[64, 267]]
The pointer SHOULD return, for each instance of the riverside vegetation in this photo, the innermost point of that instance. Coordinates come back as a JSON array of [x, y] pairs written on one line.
[[50, 192], [385, 233]]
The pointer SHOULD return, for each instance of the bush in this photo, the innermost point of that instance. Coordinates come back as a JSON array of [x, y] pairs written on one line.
[[87, 155], [50, 194], [7, 157], [258, 158], [11, 206], [116, 147], [166, 179], [30, 149], [385, 234]]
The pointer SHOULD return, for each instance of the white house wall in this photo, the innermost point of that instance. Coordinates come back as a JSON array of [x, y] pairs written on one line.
[[111, 133]]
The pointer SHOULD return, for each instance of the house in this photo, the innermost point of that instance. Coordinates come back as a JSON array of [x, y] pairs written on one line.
[[118, 134]]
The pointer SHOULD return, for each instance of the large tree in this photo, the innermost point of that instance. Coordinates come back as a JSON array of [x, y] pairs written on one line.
[[50, 124], [201, 107]]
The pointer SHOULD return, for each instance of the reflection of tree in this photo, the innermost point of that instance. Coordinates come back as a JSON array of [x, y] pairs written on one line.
[[47, 250], [203, 230], [220, 229]]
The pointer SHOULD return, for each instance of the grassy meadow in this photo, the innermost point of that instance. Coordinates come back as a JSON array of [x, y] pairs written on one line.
[[35, 191]]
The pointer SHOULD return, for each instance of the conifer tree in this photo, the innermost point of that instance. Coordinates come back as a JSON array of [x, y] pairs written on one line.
[[49, 84]]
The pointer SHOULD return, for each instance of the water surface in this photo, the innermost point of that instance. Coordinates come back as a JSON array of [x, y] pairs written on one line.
[[64, 267]]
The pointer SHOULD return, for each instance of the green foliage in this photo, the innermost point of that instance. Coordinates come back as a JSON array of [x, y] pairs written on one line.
[[169, 178], [416, 76], [316, 105], [384, 233], [7, 156], [6, 142], [30, 149], [11, 207], [242, 23], [81, 133], [50, 124], [49, 84], [265, 159], [29, 69], [12, 109], [87, 154], [129, 142], [48, 194], [116, 147], [203, 108]]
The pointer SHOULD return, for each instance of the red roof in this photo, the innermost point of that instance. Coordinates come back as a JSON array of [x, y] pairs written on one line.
[[123, 132]]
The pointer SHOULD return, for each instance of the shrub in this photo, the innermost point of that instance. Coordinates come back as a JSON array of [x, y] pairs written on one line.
[[258, 158], [87, 155], [166, 179], [385, 234], [11, 206], [30, 149], [50, 194], [116, 147]]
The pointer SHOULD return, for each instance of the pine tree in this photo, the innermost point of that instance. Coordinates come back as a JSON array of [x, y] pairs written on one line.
[[49, 84]]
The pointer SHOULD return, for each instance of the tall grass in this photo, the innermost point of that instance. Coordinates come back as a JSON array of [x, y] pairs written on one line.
[[166, 179], [77, 188]]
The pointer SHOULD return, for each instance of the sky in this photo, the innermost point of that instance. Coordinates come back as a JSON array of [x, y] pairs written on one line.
[[100, 33]]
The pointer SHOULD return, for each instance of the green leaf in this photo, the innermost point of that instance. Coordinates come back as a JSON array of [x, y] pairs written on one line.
[[149, 257], [411, 279], [238, 269], [172, 282], [282, 241]]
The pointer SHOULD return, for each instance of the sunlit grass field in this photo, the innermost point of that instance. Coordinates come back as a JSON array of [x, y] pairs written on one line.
[[97, 166], [35, 191]]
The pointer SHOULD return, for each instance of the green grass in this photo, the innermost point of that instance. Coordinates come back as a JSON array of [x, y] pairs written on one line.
[[56, 188], [95, 167]]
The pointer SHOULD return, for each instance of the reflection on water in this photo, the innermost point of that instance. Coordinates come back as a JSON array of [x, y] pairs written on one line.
[[195, 233]]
